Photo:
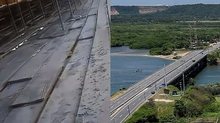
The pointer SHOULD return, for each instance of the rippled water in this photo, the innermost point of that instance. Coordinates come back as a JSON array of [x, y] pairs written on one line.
[[211, 74], [130, 66]]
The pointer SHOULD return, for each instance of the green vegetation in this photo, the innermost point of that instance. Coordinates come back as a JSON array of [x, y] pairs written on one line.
[[214, 89], [163, 38], [173, 13], [193, 101], [178, 27], [197, 104], [213, 57], [162, 32], [172, 88], [146, 113]]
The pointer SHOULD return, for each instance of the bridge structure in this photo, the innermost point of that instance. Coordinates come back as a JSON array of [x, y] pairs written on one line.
[[54, 61], [138, 94]]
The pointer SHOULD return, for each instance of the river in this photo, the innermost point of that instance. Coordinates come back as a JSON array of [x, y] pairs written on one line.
[[130, 66], [209, 75]]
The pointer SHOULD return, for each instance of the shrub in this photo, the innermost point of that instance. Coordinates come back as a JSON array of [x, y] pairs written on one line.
[[179, 109], [168, 119], [214, 107], [147, 113]]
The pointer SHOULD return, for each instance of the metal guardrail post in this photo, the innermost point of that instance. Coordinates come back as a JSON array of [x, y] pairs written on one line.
[[53, 4], [71, 9], [31, 12], [12, 18], [74, 4], [20, 11], [59, 13], [42, 9]]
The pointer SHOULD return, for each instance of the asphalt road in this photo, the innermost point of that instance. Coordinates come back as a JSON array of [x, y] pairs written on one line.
[[140, 86]]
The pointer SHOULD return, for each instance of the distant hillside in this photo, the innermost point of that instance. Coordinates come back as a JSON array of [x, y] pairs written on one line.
[[126, 10], [134, 10], [162, 13], [151, 9]]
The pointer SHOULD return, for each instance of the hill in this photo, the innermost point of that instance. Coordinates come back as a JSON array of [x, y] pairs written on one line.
[[135, 10], [151, 9], [162, 13]]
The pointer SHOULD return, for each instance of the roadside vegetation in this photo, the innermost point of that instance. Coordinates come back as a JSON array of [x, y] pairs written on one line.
[[197, 104]]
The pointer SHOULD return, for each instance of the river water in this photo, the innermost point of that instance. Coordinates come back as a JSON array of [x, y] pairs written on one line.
[[209, 75], [130, 66]]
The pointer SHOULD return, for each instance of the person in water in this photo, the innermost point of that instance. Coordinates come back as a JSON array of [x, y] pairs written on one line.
[[138, 70]]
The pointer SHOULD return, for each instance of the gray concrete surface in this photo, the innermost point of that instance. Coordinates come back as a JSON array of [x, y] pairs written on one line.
[[47, 76], [95, 99]]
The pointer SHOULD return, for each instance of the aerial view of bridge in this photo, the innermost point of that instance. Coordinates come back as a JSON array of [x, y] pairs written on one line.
[[139, 93], [55, 64]]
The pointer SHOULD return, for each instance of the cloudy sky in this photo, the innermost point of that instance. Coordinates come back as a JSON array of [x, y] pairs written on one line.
[[162, 2]]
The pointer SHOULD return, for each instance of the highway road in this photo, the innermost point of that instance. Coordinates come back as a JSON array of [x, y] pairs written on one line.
[[134, 90], [141, 92]]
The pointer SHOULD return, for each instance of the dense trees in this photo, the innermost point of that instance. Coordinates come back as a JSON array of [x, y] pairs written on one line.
[[173, 13], [213, 57], [179, 109], [166, 49], [193, 102], [162, 38], [214, 89], [197, 101], [164, 31]]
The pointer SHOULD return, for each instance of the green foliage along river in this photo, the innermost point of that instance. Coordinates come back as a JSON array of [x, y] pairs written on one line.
[[163, 31], [162, 38]]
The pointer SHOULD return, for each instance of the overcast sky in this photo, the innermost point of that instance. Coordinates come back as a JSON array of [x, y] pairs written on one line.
[[162, 2]]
